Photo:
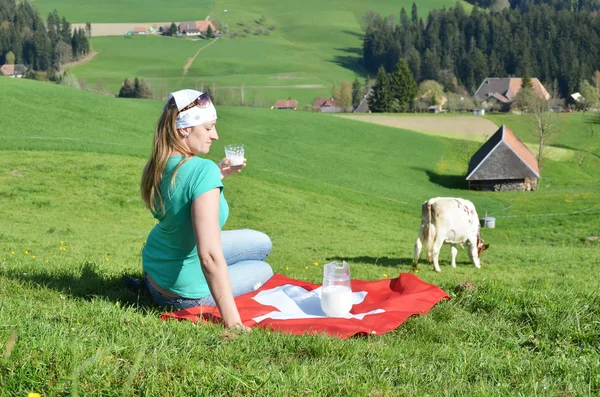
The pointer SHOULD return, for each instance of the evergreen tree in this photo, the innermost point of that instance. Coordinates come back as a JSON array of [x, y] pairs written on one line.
[[173, 29], [403, 87], [65, 31], [526, 81], [209, 32], [380, 100], [356, 92], [414, 14], [127, 89]]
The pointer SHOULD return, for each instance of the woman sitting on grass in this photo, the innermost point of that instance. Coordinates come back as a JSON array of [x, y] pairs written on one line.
[[188, 261]]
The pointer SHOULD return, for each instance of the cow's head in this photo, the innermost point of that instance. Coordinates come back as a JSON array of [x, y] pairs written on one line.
[[481, 246]]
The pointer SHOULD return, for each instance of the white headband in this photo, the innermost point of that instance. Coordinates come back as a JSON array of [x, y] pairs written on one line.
[[195, 115]]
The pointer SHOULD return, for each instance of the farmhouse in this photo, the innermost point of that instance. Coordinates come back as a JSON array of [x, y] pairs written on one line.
[[196, 28], [327, 105], [17, 70], [503, 163], [283, 104], [139, 30], [503, 91]]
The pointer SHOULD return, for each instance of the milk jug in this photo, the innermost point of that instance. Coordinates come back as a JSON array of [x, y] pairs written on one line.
[[336, 295]]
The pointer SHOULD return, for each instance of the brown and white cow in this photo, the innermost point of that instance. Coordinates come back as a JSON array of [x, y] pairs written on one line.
[[449, 220]]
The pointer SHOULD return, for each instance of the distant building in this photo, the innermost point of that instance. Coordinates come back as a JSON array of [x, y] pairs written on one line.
[[283, 104], [503, 163], [139, 30], [18, 70], [327, 105], [503, 91], [196, 28]]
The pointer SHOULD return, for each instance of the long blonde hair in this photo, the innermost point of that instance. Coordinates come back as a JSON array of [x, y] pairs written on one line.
[[166, 139]]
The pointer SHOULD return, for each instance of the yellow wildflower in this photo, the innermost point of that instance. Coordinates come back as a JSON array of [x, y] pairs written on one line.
[[12, 252], [417, 271], [26, 252], [62, 243], [316, 263], [306, 267], [34, 395], [286, 268], [384, 275], [32, 256], [107, 259]]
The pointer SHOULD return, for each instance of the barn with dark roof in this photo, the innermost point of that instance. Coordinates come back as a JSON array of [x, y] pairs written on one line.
[[503, 163]]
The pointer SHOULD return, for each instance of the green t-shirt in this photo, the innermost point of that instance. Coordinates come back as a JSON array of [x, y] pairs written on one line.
[[170, 255]]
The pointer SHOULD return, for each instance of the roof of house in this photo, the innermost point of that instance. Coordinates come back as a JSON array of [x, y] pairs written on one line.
[[7, 70], [503, 156], [508, 87], [187, 26], [286, 103], [320, 102], [203, 26], [10, 70], [577, 96]]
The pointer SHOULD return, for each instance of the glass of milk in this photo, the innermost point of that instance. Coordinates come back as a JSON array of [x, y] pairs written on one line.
[[235, 154], [336, 295]]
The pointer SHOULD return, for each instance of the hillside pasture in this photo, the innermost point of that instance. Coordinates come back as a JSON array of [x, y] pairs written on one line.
[[322, 42], [324, 189]]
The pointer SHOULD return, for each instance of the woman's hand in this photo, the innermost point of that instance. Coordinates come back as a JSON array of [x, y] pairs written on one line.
[[227, 169]]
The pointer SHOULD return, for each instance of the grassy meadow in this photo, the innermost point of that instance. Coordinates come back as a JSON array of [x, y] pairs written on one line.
[[324, 189], [313, 46]]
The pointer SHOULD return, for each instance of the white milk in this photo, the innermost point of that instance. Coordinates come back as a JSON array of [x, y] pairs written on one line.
[[236, 158], [336, 300]]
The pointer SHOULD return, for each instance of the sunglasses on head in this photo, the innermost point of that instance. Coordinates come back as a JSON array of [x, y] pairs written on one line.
[[203, 101]]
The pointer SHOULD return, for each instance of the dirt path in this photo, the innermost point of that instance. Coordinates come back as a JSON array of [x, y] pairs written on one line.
[[85, 59], [191, 60]]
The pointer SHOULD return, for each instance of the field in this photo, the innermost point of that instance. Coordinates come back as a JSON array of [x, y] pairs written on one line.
[[306, 53], [576, 132], [323, 188]]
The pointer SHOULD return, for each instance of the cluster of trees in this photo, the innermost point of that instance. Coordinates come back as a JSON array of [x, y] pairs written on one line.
[[394, 91], [26, 39], [458, 49], [135, 88], [572, 5]]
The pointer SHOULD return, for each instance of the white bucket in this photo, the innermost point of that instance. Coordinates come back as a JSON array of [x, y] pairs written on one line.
[[488, 222]]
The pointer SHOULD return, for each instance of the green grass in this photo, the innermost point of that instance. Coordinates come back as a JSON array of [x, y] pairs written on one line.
[[322, 188], [126, 11], [577, 131], [314, 43]]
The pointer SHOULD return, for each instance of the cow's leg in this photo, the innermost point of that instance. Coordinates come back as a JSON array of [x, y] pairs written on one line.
[[437, 246], [419, 246], [473, 252], [454, 251]]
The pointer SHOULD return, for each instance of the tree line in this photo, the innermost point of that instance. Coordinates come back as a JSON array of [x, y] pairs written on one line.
[[570, 5], [26, 39], [459, 50]]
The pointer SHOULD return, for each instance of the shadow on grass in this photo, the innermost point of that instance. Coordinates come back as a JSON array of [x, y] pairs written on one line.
[[352, 61], [355, 34], [87, 283], [381, 261], [447, 181]]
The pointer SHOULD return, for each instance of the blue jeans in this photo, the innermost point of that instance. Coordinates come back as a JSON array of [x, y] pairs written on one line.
[[244, 251]]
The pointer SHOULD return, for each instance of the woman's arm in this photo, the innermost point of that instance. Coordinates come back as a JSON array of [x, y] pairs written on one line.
[[205, 218]]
